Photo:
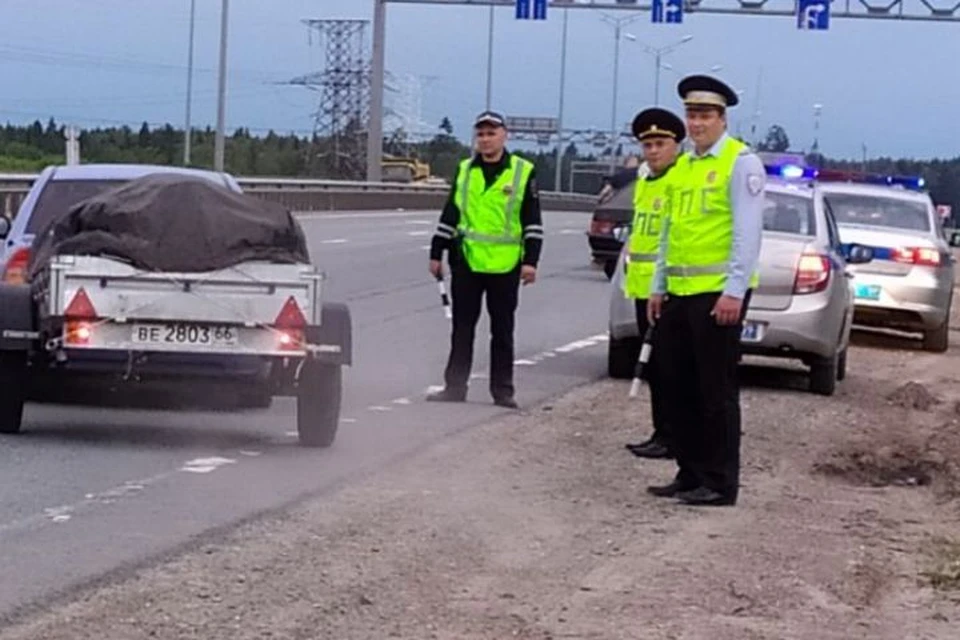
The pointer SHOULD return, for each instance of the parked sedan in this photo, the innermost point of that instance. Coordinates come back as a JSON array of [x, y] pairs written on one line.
[[909, 286], [803, 306]]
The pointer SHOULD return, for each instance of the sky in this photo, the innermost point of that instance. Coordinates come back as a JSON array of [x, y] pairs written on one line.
[[892, 86]]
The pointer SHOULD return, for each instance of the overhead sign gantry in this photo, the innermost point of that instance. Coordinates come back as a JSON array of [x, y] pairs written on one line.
[[808, 15]]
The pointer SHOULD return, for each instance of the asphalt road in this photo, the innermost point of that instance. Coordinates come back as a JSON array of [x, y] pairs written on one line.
[[88, 491]]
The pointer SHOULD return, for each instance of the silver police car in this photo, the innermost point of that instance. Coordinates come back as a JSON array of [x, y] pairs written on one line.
[[909, 285], [803, 306]]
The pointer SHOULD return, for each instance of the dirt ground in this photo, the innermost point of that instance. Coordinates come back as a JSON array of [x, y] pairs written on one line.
[[538, 527]]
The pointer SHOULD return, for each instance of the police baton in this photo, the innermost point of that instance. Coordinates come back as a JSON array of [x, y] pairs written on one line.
[[444, 298], [641, 361]]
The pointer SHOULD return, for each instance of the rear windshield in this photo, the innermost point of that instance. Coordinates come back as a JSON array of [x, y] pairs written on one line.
[[788, 213], [58, 196], [878, 211]]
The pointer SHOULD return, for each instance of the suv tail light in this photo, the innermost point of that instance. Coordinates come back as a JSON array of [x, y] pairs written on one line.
[[921, 256], [813, 273], [601, 227], [16, 269]]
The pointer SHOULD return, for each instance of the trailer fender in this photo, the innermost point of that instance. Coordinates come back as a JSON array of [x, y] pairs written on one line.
[[332, 341], [18, 331]]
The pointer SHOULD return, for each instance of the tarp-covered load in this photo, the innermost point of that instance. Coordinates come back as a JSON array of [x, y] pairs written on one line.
[[169, 222]]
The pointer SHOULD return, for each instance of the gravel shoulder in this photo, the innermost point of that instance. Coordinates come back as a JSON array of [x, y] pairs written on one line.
[[538, 526]]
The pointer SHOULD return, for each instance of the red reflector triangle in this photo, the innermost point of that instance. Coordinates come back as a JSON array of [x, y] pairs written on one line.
[[290, 316], [80, 306]]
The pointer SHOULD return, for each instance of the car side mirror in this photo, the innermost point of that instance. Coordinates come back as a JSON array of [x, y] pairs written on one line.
[[955, 238], [857, 253], [4, 227]]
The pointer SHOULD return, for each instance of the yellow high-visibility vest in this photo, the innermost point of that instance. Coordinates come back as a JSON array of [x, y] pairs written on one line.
[[701, 223], [490, 218]]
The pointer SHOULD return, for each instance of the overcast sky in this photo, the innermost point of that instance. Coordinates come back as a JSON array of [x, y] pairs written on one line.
[[891, 85]]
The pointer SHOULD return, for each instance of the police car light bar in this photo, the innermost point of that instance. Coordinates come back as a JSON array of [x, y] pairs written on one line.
[[798, 172]]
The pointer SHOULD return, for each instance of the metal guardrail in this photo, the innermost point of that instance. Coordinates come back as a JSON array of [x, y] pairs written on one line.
[[300, 194]]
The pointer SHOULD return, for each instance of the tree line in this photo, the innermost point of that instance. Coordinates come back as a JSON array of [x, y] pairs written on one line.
[[31, 147]]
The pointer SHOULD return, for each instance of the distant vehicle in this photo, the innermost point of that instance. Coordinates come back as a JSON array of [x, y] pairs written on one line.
[[99, 324], [611, 223], [404, 170], [803, 306], [909, 286]]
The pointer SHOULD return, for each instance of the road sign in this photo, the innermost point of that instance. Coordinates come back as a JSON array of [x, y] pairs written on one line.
[[813, 15], [532, 125], [669, 11], [539, 9], [523, 9]]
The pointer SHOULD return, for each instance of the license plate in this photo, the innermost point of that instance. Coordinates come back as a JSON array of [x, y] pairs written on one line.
[[751, 332], [867, 291], [185, 334]]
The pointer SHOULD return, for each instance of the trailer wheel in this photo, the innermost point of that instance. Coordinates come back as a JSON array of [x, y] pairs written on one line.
[[319, 393], [13, 390]]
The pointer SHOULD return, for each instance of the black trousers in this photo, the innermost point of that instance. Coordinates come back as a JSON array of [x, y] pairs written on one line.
[[467, 290], [698, 373], [653, 378]]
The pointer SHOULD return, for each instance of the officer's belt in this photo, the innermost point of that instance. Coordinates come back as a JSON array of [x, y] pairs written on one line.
[[643, 257]]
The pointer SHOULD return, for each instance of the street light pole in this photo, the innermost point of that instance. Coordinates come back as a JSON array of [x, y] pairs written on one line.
[[489, 57], [558, 175], [657, 53], [187, 129], [618, 24], [219, 143]]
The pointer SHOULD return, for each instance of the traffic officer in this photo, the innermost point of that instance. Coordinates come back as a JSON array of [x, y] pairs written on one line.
[[492, 228], [660, 133], [707, 268]]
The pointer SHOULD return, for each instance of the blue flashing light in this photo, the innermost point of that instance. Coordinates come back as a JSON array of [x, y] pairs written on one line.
[[791, 171], [907, 182]]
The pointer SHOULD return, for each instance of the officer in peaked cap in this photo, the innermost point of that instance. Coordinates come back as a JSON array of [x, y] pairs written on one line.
[[487, 258], [660, 133], [700, 294]]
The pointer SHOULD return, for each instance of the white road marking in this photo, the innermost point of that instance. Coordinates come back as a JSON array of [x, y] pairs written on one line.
[[206, 465], [402, 401], [425, 247], [524, 363], [348, 420], [418, 233], [58, 514], [569, 232], [292, 434], [576, 345], [379, 408], [418, 222], [251, 454], [434, 388], [334, 241]]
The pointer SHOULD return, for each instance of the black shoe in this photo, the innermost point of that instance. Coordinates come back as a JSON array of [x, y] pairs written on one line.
[[669, 490], [655, 450], [447, 395], [509, 403], [640, 445], [702, 496]]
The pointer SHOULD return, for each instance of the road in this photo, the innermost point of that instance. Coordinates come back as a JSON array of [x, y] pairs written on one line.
[[88, 491]]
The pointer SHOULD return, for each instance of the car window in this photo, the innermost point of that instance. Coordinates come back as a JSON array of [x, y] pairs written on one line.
[[58, 196], [879, 211], [788, 213]]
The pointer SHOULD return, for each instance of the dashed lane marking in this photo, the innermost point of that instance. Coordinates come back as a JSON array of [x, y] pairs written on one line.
[[334, 241], [418, 233], [206, 465]]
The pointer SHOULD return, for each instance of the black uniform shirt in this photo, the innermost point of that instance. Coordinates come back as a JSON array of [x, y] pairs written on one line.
[[530, 216]]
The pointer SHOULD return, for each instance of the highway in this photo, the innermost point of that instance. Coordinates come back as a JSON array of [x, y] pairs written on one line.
[[88, 491]]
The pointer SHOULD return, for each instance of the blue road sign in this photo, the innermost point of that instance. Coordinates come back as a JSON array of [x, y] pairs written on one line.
[[669, 11], [813, 15], [539, 9], [523, 9]]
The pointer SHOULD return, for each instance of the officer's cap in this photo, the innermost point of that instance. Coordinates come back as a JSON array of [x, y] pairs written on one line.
[[491, 118], [705, 91], [658, 123]]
